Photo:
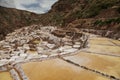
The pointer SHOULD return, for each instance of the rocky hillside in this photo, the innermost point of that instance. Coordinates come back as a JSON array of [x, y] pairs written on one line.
[[11, 19], [64, 12], [86, 14]]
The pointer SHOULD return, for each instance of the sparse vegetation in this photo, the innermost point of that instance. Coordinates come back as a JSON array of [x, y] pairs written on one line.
[[57, 18], [76, 9], [95, 6], [106, 22]]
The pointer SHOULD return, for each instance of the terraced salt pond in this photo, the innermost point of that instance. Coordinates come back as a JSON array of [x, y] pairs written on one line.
[[36, 44], [102, 63], [47, 58], [62, 70], [57, 69], [104, 45], [5, 76], [101, 41], [106, 49]]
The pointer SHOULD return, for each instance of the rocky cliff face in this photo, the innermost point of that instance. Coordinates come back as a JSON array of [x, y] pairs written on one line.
[[11, 19]]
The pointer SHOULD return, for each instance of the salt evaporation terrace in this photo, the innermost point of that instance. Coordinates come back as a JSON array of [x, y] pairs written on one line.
[[33, 43]]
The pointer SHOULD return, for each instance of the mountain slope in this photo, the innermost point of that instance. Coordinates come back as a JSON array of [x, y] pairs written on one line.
[[65, 11], [11, 19], [87, 14]]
